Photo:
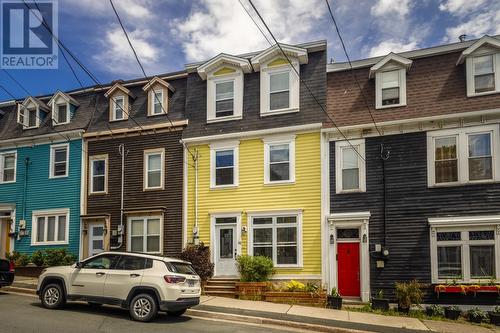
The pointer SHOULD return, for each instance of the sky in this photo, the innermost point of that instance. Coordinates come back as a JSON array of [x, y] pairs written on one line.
[[168, 34]]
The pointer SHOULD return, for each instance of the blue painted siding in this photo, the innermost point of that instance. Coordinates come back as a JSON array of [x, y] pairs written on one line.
[[43, 193]]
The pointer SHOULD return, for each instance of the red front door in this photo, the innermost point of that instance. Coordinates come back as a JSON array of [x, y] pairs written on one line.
[[348, 269]]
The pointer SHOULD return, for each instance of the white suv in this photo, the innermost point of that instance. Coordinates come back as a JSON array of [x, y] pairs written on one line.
[[145, 284]]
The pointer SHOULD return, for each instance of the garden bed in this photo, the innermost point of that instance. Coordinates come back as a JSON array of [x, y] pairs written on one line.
[[251, 290], [296, 298]]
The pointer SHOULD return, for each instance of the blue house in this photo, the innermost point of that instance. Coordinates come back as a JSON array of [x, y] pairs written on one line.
[[41, 154]]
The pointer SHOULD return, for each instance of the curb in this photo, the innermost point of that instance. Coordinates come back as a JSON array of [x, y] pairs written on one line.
[[19, 290], [268, 321]]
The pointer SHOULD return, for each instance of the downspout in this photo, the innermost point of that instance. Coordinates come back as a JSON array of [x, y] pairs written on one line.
[[384, 156], [195, 230], [121, 151], [25, 186]]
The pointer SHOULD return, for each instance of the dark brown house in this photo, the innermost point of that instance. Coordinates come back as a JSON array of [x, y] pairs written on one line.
[[133, 178]]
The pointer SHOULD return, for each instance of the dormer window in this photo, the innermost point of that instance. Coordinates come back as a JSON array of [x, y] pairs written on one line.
[[390, 81], [31, 112], [118, 102], [31, 118], [62, 116], [280, 78], [63, 106], [157, 90], [224, 75], [118, 107], [482, 60]]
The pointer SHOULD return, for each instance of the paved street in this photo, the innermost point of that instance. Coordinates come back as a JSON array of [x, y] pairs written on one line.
[[25, 314]]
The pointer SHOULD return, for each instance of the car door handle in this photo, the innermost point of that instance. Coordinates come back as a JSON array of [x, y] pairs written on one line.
[[134, 275], [100, 273]]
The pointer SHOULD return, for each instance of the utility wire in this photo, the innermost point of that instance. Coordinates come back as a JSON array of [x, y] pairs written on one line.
[[301, 79], [15, 81]]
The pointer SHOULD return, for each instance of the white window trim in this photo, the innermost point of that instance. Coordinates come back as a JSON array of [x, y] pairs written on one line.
[[25, 122], [215, 147], [144, 235], [237, 78], [265, 89], [463, 224], [402, 88], [2, 165], [114, 108], [470, 72], [298, 213], [359, 145], [463, 154], [46, 213], [148, 152], [287, 139], [55, 113], [52, 156], [93, 159], [152, 102]]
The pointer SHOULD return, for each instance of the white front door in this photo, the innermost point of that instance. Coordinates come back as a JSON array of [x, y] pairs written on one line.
[[96, 239], [225, 250]]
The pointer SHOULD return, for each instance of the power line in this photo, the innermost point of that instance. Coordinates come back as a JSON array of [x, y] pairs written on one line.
[[301, 79], [15, 81], [350, 66], [144, 73]]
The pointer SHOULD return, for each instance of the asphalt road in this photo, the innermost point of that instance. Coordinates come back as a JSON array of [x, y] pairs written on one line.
[[25, 314]]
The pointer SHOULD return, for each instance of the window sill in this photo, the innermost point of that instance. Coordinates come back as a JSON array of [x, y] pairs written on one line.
[[157, 114], [58, 177], [276, 112], [280, 183], [117, 120], [455, 184], [289, 266], [9, 182], [223, 187], [49, 243], [59, 124], [381, 107], [486, 93], [350, 191], [97, 193], [152, 189], [222, 119]]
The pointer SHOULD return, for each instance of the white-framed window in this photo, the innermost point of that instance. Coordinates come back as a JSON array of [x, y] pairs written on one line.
[[145, 234], [390, 88], [350, 169], [28, 117], [465, 249], [154, 169], [277, 236], [8, 166], [50, 227], [224, 165], [461, 156], [225, 96], [157, 102], [279, 88], [279, 161], [61, 113], [483, 76], [118, 107], [59, 160], [98, 174]]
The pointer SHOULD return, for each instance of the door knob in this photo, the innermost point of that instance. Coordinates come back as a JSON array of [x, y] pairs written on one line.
[[100, 273], [134, 275]]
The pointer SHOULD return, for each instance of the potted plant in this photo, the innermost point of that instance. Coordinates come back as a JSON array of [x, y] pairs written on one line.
[[408, 293], [334, 300], [495, 316], [476, 315], [434, 310], [379, 302], [452, 312]]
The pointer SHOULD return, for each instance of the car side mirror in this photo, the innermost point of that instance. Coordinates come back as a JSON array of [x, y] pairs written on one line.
[[79, 264]]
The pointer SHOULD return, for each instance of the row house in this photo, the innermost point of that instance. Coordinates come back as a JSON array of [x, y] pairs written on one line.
[[40, 172], [254, 185], [421, 199]]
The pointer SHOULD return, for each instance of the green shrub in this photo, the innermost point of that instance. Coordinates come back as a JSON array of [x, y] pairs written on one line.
[[58, 257], [38, 258], [408, 293], [12, 257], [199, 257], [435, 310], [19, 259], [255, 268]]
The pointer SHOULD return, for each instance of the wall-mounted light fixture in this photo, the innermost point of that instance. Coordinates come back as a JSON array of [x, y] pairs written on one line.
[[332, 239]]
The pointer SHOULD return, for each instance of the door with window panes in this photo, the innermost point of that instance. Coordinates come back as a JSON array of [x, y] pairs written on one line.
[[144, 234]]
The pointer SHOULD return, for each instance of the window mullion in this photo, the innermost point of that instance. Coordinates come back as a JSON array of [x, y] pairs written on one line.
[[45, 228], [145, 235]]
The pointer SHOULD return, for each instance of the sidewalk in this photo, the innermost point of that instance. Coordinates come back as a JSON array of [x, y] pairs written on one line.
[[302, 317]]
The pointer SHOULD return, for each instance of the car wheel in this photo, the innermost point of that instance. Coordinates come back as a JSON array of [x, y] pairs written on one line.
[[53, 296], [176, 313], [143, 308]]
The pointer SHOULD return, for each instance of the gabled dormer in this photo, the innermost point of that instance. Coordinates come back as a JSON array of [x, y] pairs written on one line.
[[31, 112], [158, 93], [119, 101], [279, 82], [224, 75], [482, 62], [63, 108], [390, 81]]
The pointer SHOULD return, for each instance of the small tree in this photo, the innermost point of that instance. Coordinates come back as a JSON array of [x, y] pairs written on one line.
[[408, 293], [255, 269], [199, 257]]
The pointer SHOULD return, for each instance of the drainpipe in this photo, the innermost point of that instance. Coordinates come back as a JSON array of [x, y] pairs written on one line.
[[121, 151], [25, 186], [195, 229], [384, 156]]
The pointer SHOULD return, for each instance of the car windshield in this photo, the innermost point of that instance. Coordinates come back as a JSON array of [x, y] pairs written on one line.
[[180, 267]]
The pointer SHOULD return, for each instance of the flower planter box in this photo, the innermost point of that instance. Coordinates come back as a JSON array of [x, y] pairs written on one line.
[[494, 318], [466, 289], [452, 314], [29, 271], [251, 290], [380, 304], [296, 297], [334, 302]]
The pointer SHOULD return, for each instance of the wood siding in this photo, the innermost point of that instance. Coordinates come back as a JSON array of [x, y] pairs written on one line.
[[410, 202], [135, 196]]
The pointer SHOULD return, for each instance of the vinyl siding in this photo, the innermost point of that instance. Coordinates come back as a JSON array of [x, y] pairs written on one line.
[[43, 193], [253, 195]]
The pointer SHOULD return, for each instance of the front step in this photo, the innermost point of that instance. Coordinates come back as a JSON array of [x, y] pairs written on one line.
[[222, 287]]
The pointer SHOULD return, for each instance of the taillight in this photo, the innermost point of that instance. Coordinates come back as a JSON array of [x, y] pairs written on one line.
[[11, 267], [174, 279]]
